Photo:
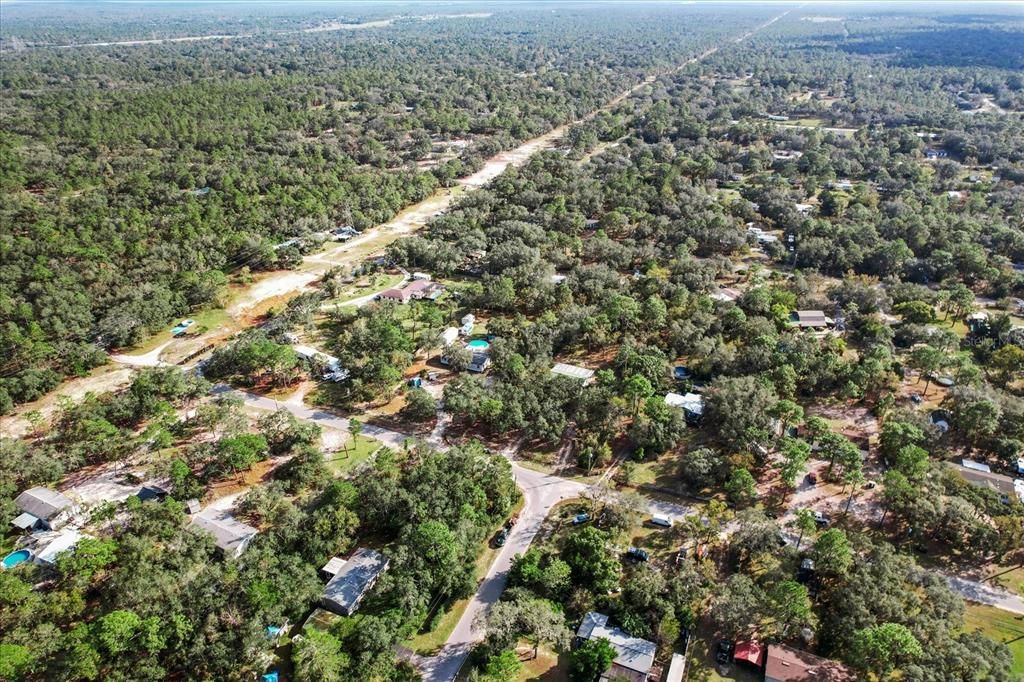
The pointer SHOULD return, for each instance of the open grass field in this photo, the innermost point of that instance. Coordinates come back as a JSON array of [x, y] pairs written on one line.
[[344, 461], [1001, 626], [1010, 578], [208, 319]]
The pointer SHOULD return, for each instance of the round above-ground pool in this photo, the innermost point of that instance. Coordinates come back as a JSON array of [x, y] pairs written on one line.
[[15, 558], [478, 344]]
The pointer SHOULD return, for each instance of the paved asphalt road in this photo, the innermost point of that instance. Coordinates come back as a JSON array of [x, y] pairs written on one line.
[[984, 593], [541, 492]]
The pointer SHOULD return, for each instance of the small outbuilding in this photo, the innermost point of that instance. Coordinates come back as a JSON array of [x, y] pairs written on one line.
[[751, 652], [581, 374]]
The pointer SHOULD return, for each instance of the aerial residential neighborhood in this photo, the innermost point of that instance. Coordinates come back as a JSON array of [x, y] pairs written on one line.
[[500, 342]]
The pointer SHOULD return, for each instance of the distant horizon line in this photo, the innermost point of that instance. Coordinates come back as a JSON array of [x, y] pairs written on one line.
[[922, 3]]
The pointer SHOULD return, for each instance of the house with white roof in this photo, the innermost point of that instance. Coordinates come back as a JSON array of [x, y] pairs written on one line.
[[581, 374], [692, 405], [52, 545], [231, 536], [352, 580]]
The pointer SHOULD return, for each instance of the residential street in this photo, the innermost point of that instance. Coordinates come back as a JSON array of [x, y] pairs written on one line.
[[541, 492], [983, 593]]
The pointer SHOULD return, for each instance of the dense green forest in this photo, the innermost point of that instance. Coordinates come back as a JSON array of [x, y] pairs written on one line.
[[135, 178], [643, 233], [861, 165]]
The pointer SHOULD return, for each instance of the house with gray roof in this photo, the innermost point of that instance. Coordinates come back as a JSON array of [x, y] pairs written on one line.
[[809, 319], [980, 475], [42, 509], [634, 659], [231, 535], [353, 580]]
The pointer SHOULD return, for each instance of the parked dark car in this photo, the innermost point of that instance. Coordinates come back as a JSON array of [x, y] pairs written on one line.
[[724, 651], [500, 538], [637, 554]]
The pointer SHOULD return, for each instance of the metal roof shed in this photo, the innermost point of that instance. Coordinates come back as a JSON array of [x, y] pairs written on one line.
[[231, 535], [573, 371], [349, 585]]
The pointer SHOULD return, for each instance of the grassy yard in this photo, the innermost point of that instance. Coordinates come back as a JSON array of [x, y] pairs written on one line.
[[345, 461], [1001, 626], [210, 319], [376, 282], [1010, 578], [549, 666], [662, 472]]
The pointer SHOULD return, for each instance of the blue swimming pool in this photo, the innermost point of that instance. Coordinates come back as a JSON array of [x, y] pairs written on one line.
[[478, 344], [15, 558]]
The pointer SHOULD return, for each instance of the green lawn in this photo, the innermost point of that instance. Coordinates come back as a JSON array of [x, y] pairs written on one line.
[[1001, 626], [345, 461], [210, 319], [377, 283], [1010, 578], [548, 666]]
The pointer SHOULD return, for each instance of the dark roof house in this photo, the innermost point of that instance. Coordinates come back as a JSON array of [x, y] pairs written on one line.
[[809, 319], [353, 580], [49, 508], [396, 295]]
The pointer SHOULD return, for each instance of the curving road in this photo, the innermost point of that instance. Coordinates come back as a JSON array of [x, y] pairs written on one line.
[[541, 492]]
